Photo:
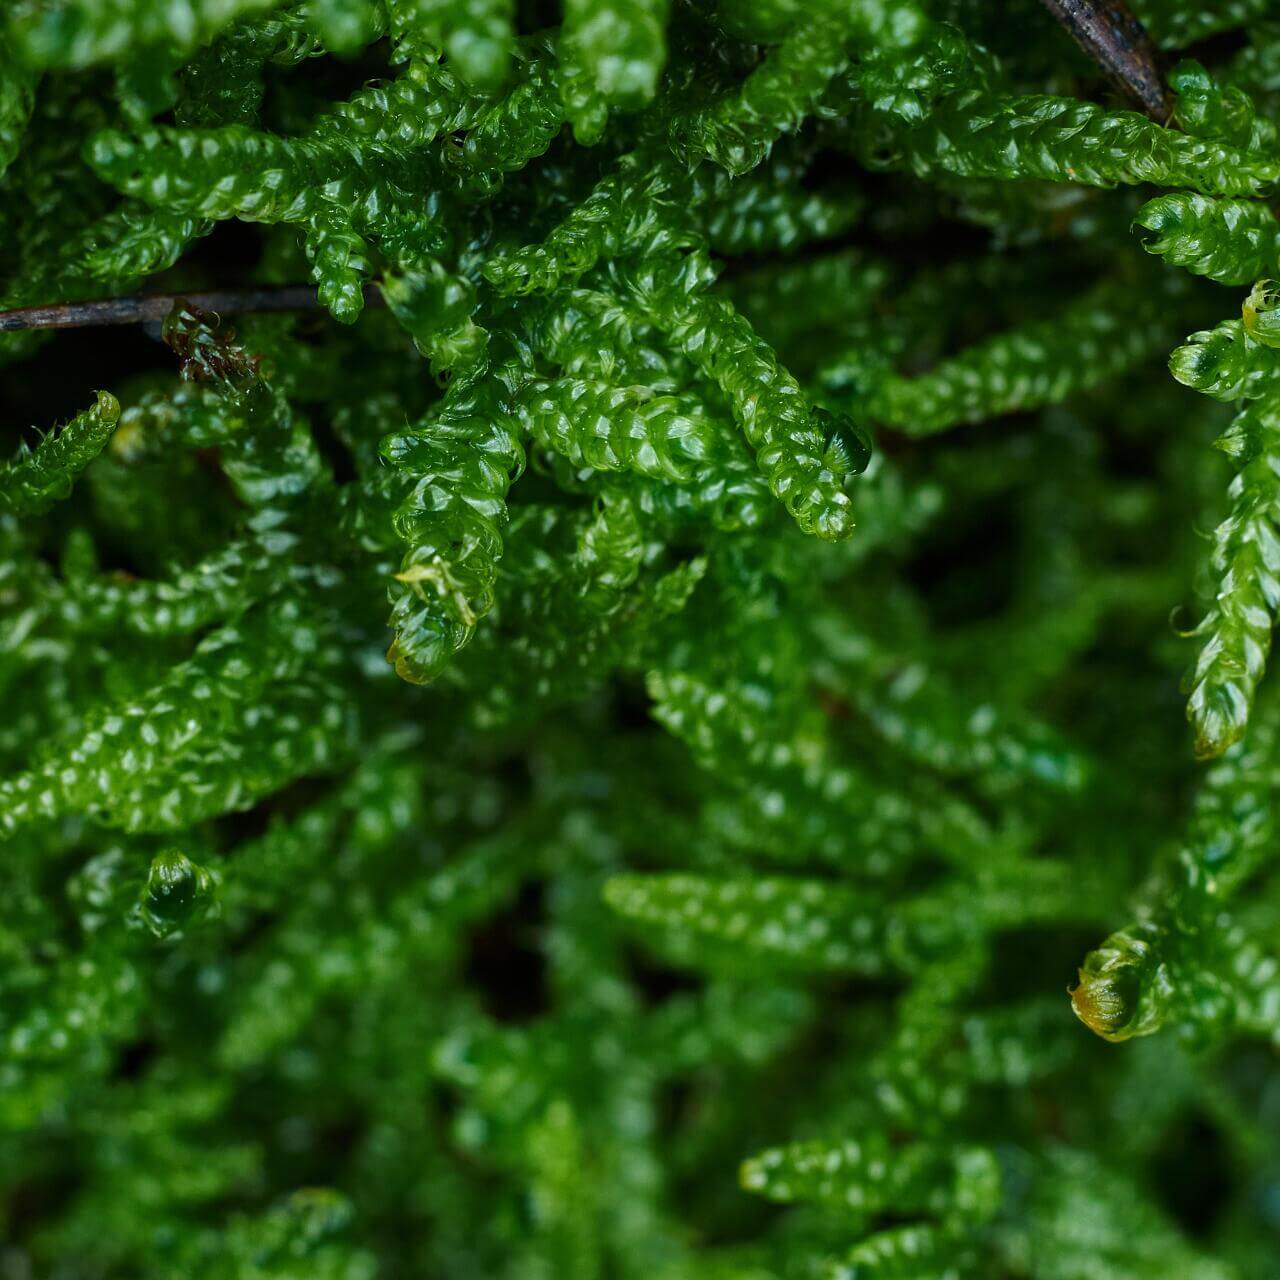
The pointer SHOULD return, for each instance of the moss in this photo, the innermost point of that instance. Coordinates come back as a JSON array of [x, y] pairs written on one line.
[[594, 748]]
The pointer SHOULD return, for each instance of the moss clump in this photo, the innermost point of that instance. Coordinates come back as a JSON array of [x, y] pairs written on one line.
[[636, 696]]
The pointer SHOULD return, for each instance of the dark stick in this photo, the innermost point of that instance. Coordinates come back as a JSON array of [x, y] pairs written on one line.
[[1120, 45], [155, 306]]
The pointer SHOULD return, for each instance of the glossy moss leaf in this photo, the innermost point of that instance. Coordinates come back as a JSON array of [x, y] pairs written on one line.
[[612, 53], [636, 204], [623, 428], [1124, 989], [1060, 140], [738, 131], [519, 126], [1225, 363], [867, 1176], [932, 723], [793, 803], [1188, 962], [217, 588], [436, 308], [1233, 818], [764, 213], [808, 925], [477, 37], [208, 174], [1236, 632], [223, 83], [1210, 110], [359, 146], [461, 464], [129, 763], [803, 451], [919, 1251], [1095, 339], [135, 241], [1259, 314], [38, 477], [340, 264], [73, 33], [344, 25], [1177, 23], [178, 891], [1230, 241]]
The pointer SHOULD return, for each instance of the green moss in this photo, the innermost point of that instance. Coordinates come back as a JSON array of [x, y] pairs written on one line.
[[633, 705]]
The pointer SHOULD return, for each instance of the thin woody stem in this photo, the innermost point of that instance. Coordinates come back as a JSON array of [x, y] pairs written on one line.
[[1109, 33], [156, 306]]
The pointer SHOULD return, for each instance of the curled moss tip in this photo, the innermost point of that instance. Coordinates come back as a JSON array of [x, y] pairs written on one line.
[[1124, 987], [1106, 1003], [108, 408], [849, 446], [1261, 313], [177, 892]]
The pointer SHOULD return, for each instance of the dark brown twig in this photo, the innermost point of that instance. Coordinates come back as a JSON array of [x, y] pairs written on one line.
[[1120, 45], [156, 306]]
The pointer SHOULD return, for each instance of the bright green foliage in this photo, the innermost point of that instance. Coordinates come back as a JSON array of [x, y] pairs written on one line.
[[137, 241], [476, 34], [918, 1250], [1188, 961], [766, 213], [1061, 140], [177, 893], [663, 670], [613, 52], [1259, 314], [803, 450], [1210, 110], [1230, 241], [1084, 1219], [300, 1237], [339, 261], [642, 202], [807, 923], [624, 428], [74, 33], [1246, 561], [461, 461], [36, 478], [1177, 23], [435, 308], [866, 1176], [1099, 337], [344, 25], [1236, 362], [194, 743], [1225, 363], [737, 131]]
